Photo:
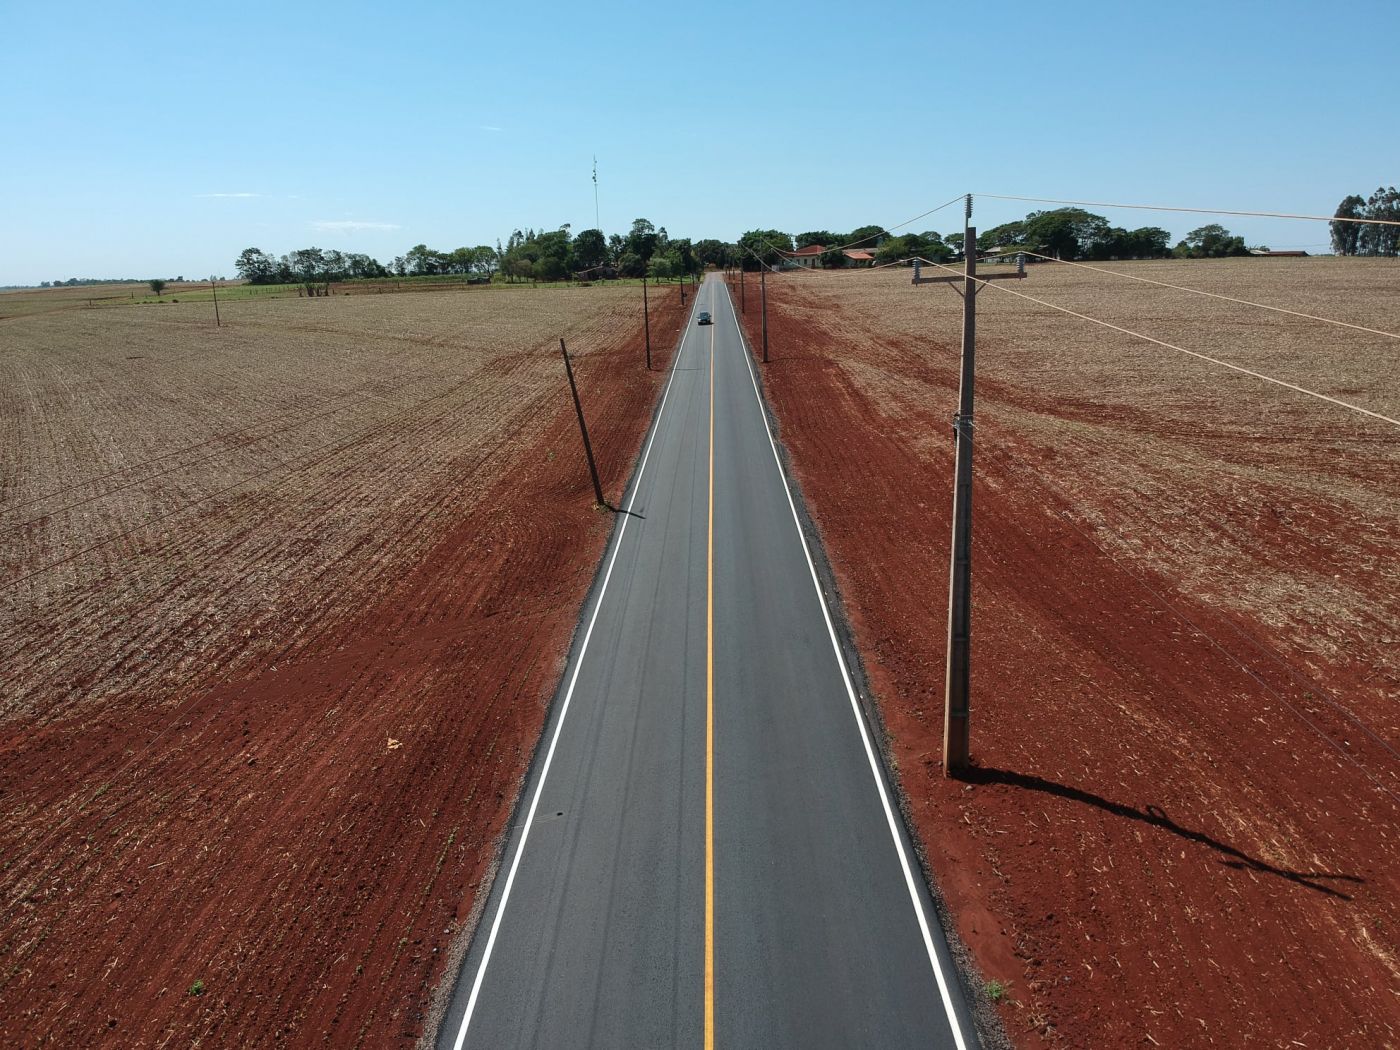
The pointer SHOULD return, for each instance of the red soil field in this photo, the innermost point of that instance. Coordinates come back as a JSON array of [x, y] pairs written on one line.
[[277, 835], [1183, 828]]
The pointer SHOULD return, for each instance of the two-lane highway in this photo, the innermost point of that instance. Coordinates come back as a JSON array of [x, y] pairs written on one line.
[[708, 853]]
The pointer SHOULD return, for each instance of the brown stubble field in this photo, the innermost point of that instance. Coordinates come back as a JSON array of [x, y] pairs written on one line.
[[235, 564], [1183, 826]]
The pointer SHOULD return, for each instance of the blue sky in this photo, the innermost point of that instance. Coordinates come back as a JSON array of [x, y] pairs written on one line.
[[157, 141]]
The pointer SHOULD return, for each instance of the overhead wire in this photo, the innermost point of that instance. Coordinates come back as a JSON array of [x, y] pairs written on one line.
[[1167, 605], [1162, 600], [852, 244], [1194, 211], [1213, 295], [1171, 346]]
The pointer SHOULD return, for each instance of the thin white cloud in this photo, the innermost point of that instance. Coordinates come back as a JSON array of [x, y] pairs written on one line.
[[351, 226], [228, 194], [490, 127]]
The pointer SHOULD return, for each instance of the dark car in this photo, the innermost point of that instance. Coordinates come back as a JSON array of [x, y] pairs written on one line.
[[704, 318]]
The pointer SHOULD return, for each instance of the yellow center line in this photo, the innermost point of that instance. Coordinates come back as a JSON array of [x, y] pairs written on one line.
[[710, 733]]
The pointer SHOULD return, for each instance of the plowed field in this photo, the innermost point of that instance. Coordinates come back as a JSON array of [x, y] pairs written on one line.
[[1184, 824], [281, 608]]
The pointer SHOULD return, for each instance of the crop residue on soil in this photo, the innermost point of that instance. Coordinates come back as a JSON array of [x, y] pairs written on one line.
[[282, 610]]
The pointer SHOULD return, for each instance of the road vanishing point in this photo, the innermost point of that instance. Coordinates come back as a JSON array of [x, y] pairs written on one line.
[[708, 851]]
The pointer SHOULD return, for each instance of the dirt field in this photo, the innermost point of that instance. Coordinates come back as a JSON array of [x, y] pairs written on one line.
[[1184, 828], [282, 605]]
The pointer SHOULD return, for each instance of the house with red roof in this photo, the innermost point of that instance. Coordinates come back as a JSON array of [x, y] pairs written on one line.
[[809, 257]]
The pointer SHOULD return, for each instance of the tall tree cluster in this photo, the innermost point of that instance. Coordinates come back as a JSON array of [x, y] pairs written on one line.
[[1370, 235], [307, 266], [1076, 234], [527, 255]]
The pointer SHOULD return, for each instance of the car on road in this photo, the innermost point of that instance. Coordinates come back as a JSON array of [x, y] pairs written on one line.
[[704, 318]]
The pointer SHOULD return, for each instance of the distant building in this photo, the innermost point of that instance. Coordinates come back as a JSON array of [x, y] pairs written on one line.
[[809, 257], [1265, 251], [858, 257]]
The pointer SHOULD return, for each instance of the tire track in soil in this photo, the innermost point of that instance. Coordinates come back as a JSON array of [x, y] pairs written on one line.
[[1157, 846], [273, 760]]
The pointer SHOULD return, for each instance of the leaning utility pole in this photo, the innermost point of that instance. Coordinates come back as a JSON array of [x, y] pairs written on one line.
[[956, 744], [646, 319], [763, 293], [213, 284], [582, 426]]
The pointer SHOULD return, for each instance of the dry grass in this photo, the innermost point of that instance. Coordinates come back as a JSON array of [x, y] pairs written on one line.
[[1261, 500], [161, 479]]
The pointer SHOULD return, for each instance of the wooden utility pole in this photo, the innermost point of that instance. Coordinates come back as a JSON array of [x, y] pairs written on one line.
[[215, 286], [743, 301], [646, 319], [682, 289], [582, 426], [956, 742], [763, 294]]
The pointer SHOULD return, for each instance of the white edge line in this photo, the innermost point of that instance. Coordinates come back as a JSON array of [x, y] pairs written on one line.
[[564, 708], [909, 880]]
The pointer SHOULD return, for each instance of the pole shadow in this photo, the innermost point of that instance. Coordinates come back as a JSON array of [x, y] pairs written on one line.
[[1155, 816], [607, 504]]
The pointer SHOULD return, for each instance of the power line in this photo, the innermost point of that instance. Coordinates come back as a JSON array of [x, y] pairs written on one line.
[[1178, 349], [883, 229], [1196, 211], [1004, 454], [1213, 295], [1324, 695]]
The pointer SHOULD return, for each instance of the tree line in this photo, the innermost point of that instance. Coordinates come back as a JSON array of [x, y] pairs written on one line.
[[1370, 236], [1064, 233], [527, 255]]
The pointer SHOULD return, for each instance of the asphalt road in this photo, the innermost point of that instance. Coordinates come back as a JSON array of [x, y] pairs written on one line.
[[707, 853]]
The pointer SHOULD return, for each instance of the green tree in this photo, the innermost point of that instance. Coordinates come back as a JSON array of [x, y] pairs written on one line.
[[894, 249], [764, 245], [1346, 236], [255, 266], [157, 285], [590, 250], [550, 268], [422, 261], [683, 257], [825, 238], [1376, 238], [1212, 241], [710, 252], [485, 260], [866, 237], [1065, 233], [1003, 236], [642, 239]]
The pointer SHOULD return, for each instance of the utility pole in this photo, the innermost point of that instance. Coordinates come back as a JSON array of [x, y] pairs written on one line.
[[956, 744], [646, 319], [682, 289], [582, 426], [743, 303], [215, 286], [763, 294]]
